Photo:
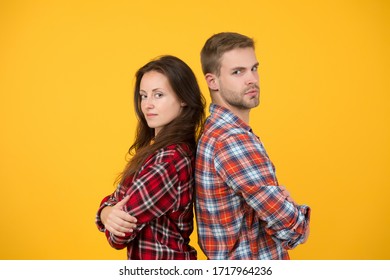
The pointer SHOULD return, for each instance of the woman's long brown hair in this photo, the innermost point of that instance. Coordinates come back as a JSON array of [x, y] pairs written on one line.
[[184, 129]]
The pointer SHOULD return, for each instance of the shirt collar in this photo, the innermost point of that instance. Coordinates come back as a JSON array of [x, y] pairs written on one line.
[[225, 115]]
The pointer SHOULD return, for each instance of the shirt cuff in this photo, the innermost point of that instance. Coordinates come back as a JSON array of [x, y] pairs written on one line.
[[300, 229], [105, 202]]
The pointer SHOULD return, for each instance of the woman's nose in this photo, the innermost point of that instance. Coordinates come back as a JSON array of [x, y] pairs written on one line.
[[148, 103]]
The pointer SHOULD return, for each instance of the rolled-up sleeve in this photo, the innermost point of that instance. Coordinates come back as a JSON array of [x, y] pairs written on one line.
[[109, 200]]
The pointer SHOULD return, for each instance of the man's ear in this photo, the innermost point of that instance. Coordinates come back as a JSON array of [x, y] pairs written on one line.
[[212, 82]]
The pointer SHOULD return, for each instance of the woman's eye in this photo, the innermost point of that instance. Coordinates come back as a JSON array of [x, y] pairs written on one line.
[[158, 95]]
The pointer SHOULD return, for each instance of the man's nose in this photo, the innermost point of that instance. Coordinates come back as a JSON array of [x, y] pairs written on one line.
[[252, 78]]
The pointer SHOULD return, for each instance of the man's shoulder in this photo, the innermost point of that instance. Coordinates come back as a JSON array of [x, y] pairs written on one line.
[[220, 130]]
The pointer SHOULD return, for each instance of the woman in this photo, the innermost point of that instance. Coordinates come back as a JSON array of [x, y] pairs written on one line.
[[150, 212]]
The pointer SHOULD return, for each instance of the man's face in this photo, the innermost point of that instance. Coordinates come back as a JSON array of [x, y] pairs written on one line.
[[238, 81]]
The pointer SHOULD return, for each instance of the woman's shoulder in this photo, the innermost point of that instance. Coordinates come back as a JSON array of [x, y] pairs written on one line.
[[175, 156], [170, 154], [176, 150]]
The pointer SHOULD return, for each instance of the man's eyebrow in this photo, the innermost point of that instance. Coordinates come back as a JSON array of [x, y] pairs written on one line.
[[238, 68], [242, 67]]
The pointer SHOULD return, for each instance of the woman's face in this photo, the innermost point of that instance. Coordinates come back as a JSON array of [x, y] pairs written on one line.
[[159, 103]]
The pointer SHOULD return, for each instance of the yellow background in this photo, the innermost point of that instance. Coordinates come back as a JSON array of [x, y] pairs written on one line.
[[66, 118]]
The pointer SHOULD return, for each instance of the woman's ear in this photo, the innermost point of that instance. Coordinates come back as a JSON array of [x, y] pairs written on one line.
[[212, 82], [183, 104]]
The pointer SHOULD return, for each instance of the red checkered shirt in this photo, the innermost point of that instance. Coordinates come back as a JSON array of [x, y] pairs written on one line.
[[240, 209], [161, 198]]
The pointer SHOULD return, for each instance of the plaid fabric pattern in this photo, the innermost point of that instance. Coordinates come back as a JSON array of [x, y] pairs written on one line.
[[240, 210], [161, 198]]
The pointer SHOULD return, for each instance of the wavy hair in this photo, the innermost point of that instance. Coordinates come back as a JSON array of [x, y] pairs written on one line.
[[186, 128]]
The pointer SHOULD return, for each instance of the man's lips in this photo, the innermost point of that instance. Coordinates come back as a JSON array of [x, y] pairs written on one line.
[[252, 92], [254, 89]]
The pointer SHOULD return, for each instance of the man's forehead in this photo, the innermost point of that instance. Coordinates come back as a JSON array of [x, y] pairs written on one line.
[[239, 58]]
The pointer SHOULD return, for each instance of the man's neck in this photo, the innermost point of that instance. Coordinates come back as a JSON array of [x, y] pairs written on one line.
[[243, 114]]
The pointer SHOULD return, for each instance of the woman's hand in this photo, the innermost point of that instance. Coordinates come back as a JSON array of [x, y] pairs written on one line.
[[117, 221]]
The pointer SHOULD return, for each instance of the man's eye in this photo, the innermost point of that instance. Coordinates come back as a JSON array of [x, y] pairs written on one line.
[[237, 72]]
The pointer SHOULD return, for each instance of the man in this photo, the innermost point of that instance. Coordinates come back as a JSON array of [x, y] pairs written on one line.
[[241, 211]]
